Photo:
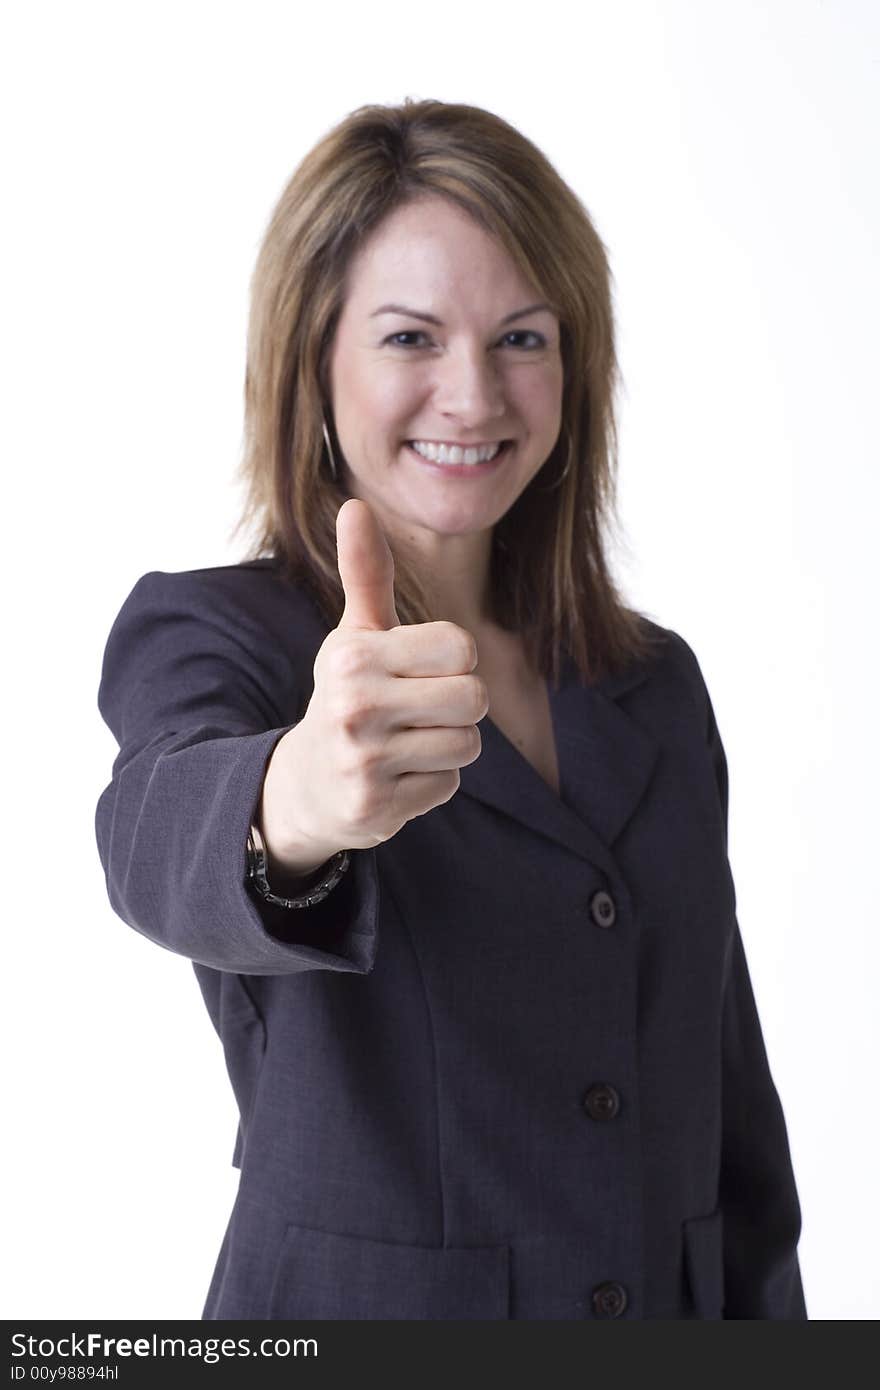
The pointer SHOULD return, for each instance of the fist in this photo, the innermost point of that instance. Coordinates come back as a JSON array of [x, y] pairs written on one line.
[[392, 719]]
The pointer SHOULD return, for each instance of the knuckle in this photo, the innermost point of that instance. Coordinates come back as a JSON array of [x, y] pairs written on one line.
[[481, 698], [346, 660], [337, 707], [469, 653], [350, 722], [358, 767], [370, 761], [461, 642], [352, 712]]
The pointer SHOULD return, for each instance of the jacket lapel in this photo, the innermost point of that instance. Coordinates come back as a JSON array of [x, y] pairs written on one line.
[[605, 764]]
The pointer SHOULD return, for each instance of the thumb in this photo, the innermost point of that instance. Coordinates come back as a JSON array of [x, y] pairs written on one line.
[[366, 568]]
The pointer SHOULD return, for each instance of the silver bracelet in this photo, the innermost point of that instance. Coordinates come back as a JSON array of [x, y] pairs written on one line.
[[256, 874]]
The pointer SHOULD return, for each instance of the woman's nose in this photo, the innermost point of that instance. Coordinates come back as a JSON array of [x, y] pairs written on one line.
[[469, 387]]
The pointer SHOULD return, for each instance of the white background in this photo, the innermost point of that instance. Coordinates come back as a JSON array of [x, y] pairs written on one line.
[[727, 153]]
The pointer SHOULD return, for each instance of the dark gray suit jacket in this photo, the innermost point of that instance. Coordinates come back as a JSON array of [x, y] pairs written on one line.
[[512, 1066]]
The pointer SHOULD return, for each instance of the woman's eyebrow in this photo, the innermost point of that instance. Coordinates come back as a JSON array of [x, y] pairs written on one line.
[[430, 318]]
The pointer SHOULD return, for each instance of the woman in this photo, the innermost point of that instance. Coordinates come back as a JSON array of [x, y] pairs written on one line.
[[440, 822]]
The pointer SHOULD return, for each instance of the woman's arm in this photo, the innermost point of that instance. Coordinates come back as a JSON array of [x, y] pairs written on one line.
[[196, 690]]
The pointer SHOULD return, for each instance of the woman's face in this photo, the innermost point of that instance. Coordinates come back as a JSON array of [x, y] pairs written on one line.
[[483, 372]]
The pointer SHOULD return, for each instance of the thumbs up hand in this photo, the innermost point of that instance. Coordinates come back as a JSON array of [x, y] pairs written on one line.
[[392, 719]]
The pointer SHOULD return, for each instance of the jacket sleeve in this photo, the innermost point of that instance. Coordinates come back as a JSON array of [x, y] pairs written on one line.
[[197, 693], [761, 1214]]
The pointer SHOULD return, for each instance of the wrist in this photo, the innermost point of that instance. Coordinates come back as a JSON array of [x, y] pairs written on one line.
[[298, 862], [300, 892], [291, 852]]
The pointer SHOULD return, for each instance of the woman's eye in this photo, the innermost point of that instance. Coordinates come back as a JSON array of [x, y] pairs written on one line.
[[540, 341], [410, 333]]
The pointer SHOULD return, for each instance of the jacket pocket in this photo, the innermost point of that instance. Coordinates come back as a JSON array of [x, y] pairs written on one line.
[[321, 1274], [704, 1263]]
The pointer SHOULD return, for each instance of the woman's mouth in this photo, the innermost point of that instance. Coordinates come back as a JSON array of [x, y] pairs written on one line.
[[460, 469]]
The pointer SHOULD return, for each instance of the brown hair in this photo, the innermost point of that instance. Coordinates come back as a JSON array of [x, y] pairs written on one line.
[[550, 578]]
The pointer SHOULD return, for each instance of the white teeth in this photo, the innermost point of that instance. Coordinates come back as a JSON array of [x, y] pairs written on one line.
[[443, 453]]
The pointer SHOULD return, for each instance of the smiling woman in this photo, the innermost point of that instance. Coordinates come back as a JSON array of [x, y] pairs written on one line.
[[419, 427], [427, 277], [439, 819]]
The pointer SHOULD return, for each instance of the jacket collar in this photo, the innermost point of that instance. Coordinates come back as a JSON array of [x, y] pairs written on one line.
[[605, 763]]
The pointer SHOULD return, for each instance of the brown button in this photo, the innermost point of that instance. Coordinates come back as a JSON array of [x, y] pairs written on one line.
[[602, 909], [609, 1299], [602, 1102]]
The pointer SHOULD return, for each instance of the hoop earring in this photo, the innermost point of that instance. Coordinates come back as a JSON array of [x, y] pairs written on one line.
[[333, 471], [565, 471]]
